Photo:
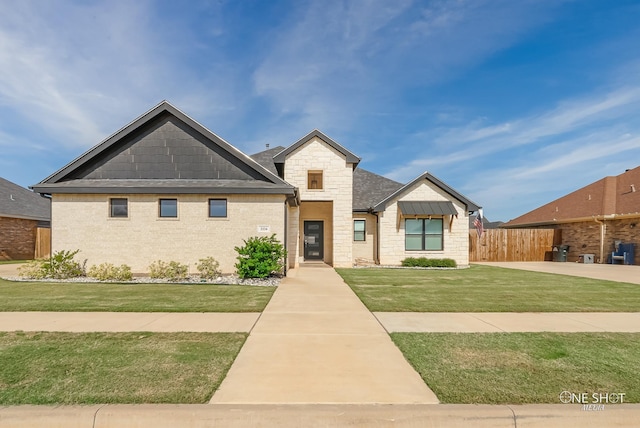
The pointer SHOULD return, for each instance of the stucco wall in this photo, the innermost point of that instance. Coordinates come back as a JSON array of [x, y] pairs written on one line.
[[364, 251], [392, 237], [82, 222], [17, 238], [316, 155]]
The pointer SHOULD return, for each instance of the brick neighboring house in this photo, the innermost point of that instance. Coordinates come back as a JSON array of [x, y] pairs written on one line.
[[21, 213], [593, 218], [165, 187]]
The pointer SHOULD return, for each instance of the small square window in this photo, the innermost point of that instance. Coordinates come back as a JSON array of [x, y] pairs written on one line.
[[217, 207], [118, 208], [314, 180], [359, 230], [168, 208]]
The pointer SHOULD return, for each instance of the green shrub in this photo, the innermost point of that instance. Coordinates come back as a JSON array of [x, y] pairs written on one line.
[[209, 268], [172, 271], [60, 265], [33, 270], [260, 257], [109, 272], [425, 262]]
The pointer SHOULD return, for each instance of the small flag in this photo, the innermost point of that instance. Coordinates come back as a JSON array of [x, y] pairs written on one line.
[[478, 223]]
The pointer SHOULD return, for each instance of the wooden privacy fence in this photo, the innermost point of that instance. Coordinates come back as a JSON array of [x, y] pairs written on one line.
[[510, 245], [43, 243]]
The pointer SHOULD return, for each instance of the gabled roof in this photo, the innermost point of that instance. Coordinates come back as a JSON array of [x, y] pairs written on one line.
[[265, 158], [280, 157], [18, 202], [370, 188], [382, 205], [608, 197], [164, 151]]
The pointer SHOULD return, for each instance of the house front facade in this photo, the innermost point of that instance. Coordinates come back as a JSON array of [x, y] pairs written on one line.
[[166, 188]]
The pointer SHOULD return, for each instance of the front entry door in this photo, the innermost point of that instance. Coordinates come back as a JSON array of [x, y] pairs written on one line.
[[313, 240]]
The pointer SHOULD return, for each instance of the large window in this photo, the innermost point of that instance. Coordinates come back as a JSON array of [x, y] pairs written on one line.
[[118, 208], [314, 180], [423, 234], [168, 208], [217, 207], [359, 230]]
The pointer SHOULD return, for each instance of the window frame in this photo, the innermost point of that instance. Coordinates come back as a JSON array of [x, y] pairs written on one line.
[[226, 208], [363, 231], [160, 214], [112, 213], [424, 234], [317, 174]]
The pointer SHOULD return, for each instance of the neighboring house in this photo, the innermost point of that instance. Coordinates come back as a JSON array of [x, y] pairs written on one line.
[[166, 188], [592, 219], [21, 213]]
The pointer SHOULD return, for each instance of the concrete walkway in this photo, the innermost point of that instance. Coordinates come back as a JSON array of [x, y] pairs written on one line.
[[510, 322], [317, 343], [77, 322]]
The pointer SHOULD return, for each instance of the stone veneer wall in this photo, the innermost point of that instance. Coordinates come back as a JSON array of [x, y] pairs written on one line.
[[82, 222], [365, 251], [392, 238], [17, 238], [316, 155]]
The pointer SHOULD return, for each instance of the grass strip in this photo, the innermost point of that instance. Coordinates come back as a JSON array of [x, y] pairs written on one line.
[[487, 289], [91, 368], [521, 368], [89, 297]]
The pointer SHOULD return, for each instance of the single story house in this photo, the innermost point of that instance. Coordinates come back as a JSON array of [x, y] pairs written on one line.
[[592, 219], [166, 188], [22, 212]]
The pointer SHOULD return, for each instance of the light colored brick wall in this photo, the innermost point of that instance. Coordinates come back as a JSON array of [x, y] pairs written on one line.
[[293, 236], [365, 250], [392, 237], [316, 155], [82, 222]]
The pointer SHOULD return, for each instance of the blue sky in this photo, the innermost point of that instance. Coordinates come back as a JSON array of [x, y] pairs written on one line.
[[512, 103]]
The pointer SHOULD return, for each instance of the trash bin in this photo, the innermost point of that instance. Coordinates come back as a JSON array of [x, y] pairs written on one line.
[[560, 253]]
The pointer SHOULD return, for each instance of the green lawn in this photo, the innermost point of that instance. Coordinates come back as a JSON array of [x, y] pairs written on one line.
[[487, 289], [89, 368], [84, 297], [519, 368]]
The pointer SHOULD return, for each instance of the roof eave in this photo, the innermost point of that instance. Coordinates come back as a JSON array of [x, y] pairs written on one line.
[[52, 189]]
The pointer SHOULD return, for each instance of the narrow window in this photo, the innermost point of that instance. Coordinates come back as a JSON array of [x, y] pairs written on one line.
[[118, 208], [217, 207], [359, 230], [314, 180], [168, 208], [423, 234]]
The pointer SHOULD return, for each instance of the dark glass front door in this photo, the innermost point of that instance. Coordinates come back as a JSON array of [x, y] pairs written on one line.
[[313, 240]]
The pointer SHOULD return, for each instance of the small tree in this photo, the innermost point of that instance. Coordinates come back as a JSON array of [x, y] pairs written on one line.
[[260, 257]]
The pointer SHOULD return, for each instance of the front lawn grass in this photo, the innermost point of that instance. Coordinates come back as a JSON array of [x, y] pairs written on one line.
[[487, 289], [100, 297], [520, 368], [90, 368]]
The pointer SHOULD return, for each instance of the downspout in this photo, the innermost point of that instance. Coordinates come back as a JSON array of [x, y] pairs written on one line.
[[376, 259], [603, 232], [286, 241]]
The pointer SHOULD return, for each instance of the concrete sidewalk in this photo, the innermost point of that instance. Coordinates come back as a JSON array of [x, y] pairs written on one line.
[[162, 322], [317, 343], [509, 322], [320, 416]]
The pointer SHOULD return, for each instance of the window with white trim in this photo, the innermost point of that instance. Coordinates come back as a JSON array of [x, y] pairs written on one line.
[[359, 230]]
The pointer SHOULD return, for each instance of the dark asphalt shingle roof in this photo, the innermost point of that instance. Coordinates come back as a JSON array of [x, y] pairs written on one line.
[[18, 202]]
